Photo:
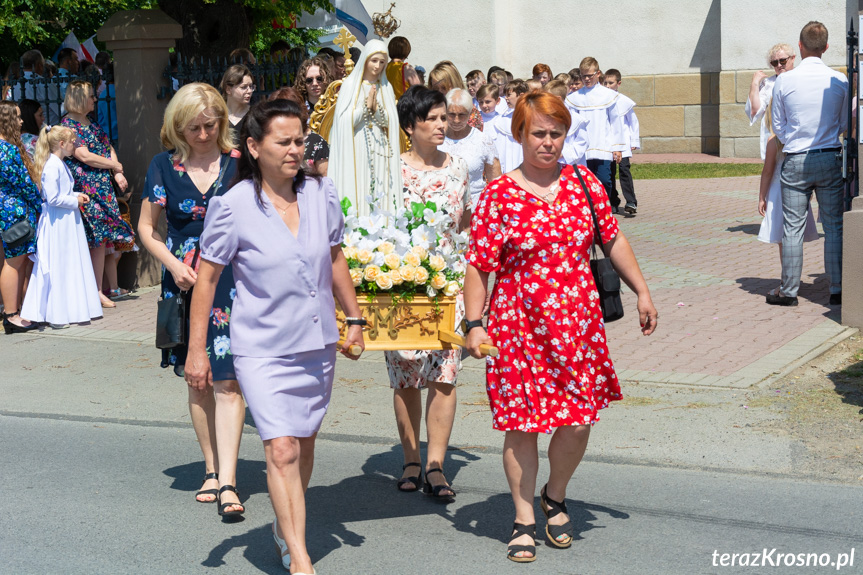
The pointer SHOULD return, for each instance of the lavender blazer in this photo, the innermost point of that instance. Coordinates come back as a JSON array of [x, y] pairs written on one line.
[[284, 302]]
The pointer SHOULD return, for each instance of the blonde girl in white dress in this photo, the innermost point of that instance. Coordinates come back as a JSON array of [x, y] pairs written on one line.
[[62, 287], [770, 197]]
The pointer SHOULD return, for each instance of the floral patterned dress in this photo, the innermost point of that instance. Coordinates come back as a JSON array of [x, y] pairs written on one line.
[[169, 186], [448, 189], [553, 369], [103, 223], [19, 197]]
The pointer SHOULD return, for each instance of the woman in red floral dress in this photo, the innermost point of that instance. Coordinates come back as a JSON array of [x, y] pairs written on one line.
[[533, 228]]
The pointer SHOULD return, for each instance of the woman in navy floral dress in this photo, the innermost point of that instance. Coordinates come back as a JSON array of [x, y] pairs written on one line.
[[181, 183], [91, 166], [19, 199]]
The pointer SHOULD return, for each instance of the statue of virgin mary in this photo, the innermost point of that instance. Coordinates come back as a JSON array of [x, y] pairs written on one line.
[[364, 140]]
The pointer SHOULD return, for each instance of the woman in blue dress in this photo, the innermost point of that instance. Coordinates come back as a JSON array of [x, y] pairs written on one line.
[[181, 182], [19, 200], [92, 165]]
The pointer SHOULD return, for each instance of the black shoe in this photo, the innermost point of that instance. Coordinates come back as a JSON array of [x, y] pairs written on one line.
[[224, 506], [519, 530], [213, 492], [836, 299], [435, 490], [413, 480], [551, 508], [779, 299], [630, 209], [11, 328], [615, 210]]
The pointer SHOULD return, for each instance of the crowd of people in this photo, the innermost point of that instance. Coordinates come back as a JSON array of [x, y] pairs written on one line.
[[252, 195]]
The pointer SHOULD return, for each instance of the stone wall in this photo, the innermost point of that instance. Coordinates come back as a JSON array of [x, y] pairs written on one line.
[[695, 113], [687, 65]]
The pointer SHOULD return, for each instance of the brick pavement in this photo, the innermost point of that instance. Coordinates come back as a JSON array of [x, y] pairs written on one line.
[[696, 243]]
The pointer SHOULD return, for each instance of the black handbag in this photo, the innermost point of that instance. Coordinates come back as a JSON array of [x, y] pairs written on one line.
[[604, 275], [18, 234], [172, 316]]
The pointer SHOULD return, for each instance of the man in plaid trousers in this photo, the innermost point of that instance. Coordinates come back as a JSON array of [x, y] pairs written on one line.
[[809, 104]]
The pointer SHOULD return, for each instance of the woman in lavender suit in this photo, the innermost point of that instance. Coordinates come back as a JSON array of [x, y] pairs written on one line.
[[281, 232]]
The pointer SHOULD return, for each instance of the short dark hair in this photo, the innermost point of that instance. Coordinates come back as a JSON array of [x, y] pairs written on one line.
[[330, 52], [488, 90], [103, 59], [31, 58], [492, 70], [280, 46], [813, 36], [415, 104], [66, 54], [256, 126], [613, 73], [28, 116], [518, 86], [399, 48]]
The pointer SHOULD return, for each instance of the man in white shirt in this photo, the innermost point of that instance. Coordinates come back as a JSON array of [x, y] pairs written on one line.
[[809, 105]]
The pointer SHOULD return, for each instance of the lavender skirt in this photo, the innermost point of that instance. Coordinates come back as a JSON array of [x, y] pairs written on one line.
[[289, 395]]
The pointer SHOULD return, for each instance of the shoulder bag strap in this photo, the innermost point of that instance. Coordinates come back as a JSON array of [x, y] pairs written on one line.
[[597, 233], [224, 168]]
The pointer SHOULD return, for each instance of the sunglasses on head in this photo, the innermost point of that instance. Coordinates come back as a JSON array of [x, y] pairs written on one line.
[[313, 79], [780, 61]]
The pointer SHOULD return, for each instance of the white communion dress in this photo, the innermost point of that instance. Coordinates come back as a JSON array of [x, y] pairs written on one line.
[[62, 285], [771, 225]]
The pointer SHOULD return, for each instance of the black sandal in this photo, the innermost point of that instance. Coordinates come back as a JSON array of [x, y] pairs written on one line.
[[413, 480], [519, 530], [552, 508], [435, 490], [213, 492], [223, 506]]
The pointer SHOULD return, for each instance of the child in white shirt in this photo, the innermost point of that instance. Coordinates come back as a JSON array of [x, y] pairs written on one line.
[[631, 136]]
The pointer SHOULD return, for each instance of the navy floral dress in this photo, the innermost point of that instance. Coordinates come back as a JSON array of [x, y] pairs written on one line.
[[19, 197], [103, 223], [169, 186]]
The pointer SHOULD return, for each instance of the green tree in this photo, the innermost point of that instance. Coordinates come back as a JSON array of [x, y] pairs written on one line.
[[44, 24], [210, 27], [213, 28]]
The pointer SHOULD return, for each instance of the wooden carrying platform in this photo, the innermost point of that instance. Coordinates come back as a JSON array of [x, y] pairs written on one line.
[[419, 324]]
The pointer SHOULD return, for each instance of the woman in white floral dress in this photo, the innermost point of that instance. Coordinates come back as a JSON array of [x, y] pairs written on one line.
[[429, 175]]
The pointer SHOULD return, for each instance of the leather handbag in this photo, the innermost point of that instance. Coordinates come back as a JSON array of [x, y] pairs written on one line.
[[172, 316], [604, 275], [18, 234]]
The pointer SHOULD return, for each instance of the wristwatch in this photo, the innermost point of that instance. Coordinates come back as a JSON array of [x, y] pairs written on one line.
[[466, 325], [356, 321]]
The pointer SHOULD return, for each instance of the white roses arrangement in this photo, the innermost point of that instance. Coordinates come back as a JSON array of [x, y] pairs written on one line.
[[404, 253]]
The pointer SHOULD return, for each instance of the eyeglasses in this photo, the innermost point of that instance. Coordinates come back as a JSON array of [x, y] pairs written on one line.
[[780, 61], [313, 79], [586, 77], [247, 87]]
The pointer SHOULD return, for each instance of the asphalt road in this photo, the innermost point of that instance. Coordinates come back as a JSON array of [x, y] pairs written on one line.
[[100, 466]]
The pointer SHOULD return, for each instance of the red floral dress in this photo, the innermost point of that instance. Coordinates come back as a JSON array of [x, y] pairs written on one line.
[[553, 369]]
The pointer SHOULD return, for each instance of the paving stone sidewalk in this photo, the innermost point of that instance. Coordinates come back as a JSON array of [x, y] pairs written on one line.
[[696, 243]]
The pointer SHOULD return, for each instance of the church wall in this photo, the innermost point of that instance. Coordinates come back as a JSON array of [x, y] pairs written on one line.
[[687, 65]]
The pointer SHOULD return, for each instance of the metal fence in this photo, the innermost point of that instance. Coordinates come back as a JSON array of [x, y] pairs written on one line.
[[51, 92], [850, 164], [270, 74]]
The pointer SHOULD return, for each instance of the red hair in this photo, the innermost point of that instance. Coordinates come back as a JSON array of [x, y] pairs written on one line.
[[288, 93], [532, 104], [540, 68]]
